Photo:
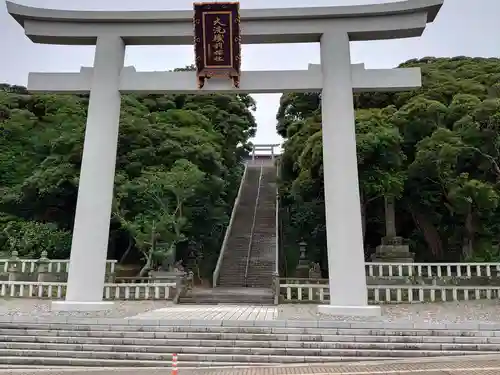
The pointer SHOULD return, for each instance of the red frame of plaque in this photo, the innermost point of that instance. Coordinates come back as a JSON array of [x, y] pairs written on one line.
[[217, 41]]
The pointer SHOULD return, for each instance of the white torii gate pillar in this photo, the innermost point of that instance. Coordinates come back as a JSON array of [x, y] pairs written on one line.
[[89, 246], [346, 263], [334, 27]]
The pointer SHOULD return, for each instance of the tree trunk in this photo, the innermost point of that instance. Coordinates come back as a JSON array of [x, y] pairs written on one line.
[[468, 241], [429, 231], [147, 267], [125, 254], [363, 218], [390, 217]]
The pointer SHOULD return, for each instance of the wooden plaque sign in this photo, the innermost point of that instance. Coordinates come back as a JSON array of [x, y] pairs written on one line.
[[217, 41]]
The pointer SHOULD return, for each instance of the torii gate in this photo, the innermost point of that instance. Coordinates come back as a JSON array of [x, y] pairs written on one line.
[[264, 147], [336, 78]]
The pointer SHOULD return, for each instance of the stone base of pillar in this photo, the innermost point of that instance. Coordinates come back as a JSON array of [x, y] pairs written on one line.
[[71, 306], [302, 272], [393, 250], [367, 310]]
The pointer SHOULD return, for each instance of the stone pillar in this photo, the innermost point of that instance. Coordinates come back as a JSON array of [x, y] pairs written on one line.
[[390, 217], [393, 249], [347, 278], [14, 266], [43, 268], [95, 193]]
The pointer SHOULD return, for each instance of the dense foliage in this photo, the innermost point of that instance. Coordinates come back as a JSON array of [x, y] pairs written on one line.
[[178, 171], [435, 150]]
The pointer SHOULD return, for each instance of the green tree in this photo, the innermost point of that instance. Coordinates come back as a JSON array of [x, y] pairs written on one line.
[[435, 150], [163, 139]]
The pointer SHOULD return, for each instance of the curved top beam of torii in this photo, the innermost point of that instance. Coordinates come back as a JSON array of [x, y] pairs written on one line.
[[285, 25]]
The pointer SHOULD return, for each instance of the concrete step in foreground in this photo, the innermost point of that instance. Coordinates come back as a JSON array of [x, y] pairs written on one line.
[[65, 362], [125, 343], [230, 296], [226, 300]]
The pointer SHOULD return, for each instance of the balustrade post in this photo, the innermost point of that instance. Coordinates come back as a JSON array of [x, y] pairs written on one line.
[[43, 268], [302, 269], [14, 266], [276, 288], [110, 273]]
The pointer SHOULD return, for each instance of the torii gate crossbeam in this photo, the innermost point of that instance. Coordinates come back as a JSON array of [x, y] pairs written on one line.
[[252, 82]]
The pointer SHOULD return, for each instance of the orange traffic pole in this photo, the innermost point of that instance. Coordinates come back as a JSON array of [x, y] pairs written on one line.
[[174, 364]]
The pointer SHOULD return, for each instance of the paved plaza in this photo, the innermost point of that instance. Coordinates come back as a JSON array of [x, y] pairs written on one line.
[[437, 313], [218, 312]]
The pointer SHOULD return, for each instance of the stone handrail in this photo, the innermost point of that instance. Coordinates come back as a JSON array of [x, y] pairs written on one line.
[[429, 270], [54, 265], [137, 280], [277, 221], [250, 242], [57, 290], [215, 276], [392, 294], [432, 269], [145, 279]]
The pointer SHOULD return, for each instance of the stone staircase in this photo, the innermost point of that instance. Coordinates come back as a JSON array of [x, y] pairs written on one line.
[[236, 285], [232, 273], [263, 246], [134, 343], [229, 296]]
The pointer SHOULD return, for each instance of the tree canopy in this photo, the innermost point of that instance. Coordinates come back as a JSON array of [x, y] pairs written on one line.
[[436, 150]]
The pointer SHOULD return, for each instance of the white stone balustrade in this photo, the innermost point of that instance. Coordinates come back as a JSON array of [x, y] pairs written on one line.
[[57, 290], [382, 294], [54, 265], [293, 290], [317, 290], [429, 270], [432, 269]]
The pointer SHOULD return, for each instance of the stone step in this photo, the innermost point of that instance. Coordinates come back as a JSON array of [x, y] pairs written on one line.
[[113, 368], [232, 334], [69, 362], [233, 281], [229, 296], [140, 328], [145, 343], [224, 301], [176, 345], [29, 367], [248, 355], [239, 239], [259, 283], [64, 362]]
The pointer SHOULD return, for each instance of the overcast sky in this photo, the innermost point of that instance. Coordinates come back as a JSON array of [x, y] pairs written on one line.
[[463, 27]]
